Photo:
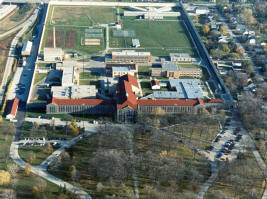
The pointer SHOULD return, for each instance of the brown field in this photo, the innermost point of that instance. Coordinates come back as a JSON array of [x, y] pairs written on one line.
[[59, 38], [4, 49], [70, 39], [49, 39]]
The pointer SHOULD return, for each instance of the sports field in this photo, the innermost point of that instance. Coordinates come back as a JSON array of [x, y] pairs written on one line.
[[155, 35], [82, 16]]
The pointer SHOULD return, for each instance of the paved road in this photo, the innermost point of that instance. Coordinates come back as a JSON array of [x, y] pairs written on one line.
[[41, 170], [21, 84], [11, 54]]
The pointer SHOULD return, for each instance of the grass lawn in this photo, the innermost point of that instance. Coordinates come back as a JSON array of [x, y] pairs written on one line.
[[85, 150], [179, 151], [196, 134], [143, 72], [90, 82], [188, 65], [39, 76], [19, 16], [31, 130], [23, 184], [42, 65], [153, 34], [89, 75], [38, 151], [82, 16], [146, 88], [79, 46], [239, 178]]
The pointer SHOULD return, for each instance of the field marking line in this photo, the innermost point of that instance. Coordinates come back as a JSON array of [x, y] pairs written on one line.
[[52, 15]]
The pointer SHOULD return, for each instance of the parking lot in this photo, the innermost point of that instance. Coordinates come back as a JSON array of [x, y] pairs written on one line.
[[229, 142]]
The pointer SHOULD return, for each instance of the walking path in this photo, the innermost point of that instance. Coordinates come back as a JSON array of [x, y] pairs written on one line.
[[41, 170]]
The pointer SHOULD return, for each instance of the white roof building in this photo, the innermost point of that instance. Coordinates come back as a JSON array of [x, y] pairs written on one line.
[[74, 92], [152, 13], [68, 76], [136, 43], [53, 54], [181, 57], [201, 10], [27, 48], [131, 53]]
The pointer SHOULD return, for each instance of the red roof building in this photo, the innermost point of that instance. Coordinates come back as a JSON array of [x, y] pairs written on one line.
[[125, 94], [81, 101], [14, 109]]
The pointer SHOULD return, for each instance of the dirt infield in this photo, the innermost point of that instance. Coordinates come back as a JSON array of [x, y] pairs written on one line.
[[70, 39], [59, 38], [49, 39]]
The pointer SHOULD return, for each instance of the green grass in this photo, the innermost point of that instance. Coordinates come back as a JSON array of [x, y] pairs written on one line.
[[40, 155], [156, 34], [39, 76], [23, 184], [24, 8], [79, 47], [143, 72], [188, 65], [89, 75], [146, 88], [82, 15], [28, 130], [90, 82], [42, 65]]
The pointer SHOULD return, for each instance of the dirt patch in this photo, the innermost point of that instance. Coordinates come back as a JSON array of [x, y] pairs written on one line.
[[59, 38], [70, 39], [4, 49], [49, 39]]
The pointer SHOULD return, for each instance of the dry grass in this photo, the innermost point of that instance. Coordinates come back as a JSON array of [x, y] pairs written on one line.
[[7, 23], [4, 49]]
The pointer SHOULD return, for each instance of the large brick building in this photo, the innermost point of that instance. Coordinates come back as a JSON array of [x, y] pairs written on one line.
[[128, 106], [170, 69], [80, 106]]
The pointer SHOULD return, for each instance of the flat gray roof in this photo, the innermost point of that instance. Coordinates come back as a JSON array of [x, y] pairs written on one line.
[[74, 92], [182, 89], [169, 66]]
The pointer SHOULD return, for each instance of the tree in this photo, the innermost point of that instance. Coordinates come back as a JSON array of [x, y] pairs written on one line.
[[31, 157], [27, 170], [103, 158], [48, 148], [74, 173], [35, 191], [239, 51], [223, 30], [41, 184], [251, 20], [8, 194], [74, 127], [205, 29], [196, 18], [63, 196], [4, 177], [13, 169], [225, 48]]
